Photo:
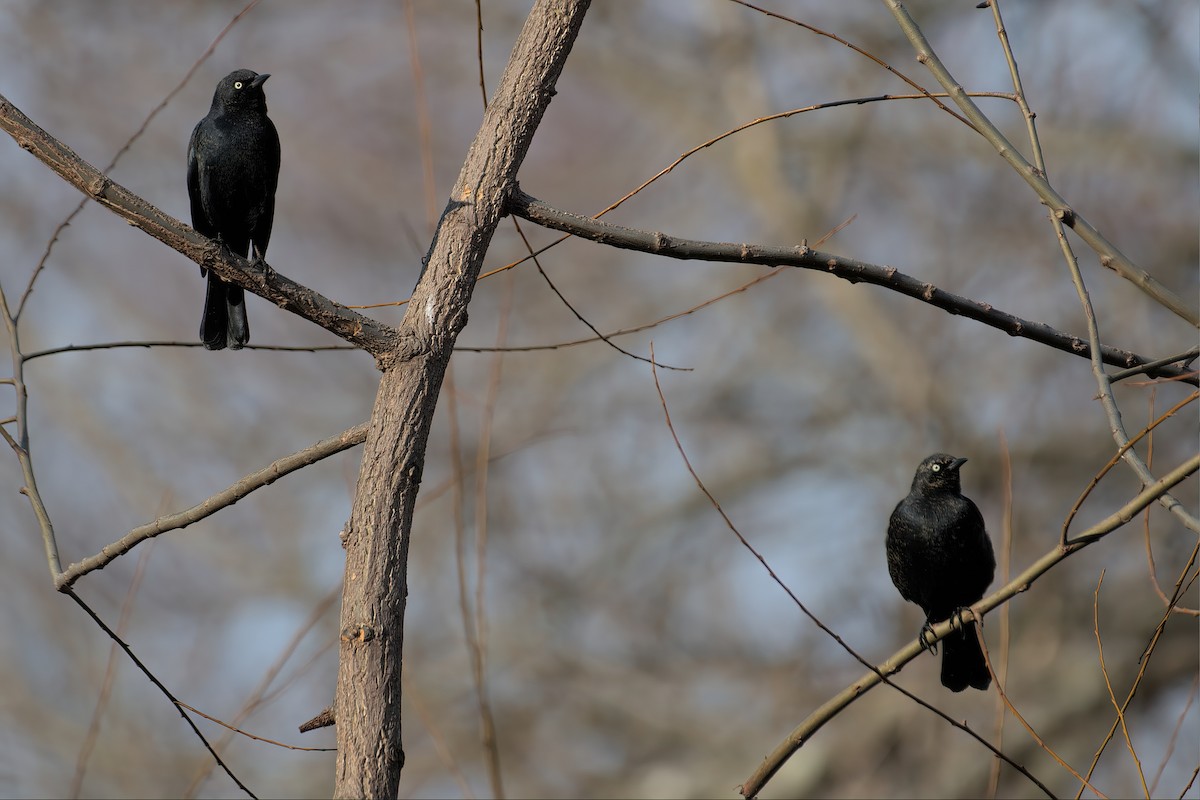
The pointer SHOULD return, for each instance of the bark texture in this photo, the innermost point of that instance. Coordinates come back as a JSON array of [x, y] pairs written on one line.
[[367, 703]]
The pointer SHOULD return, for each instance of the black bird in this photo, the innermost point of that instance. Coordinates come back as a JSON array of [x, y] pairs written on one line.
[[233, 169], [940, 557]]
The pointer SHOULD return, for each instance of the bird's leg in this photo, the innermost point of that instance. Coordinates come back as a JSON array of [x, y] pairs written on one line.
[[226, 250], [927, 638], [256, 260], [956, 617]]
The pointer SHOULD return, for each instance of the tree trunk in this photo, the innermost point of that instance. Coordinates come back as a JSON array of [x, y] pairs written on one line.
[[367, 704]]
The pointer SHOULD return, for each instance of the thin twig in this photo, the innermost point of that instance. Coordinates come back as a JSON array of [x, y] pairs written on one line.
[[479, 50], [624, 331], [1191, 780], [878, 674], [256, 697], [412, 699], [863, 53], [1186, 357], [110, 673], [1175, 734], [803, 732], [570, 307], [1112, 697], [227, 497], [853, 101], [424, 122], [238, 731], [1110, 256], [1033, 734], [20, 442], [1116, 458], [1005, 566], [167, 692], [490, 741], [79, 348], [1143, 664]]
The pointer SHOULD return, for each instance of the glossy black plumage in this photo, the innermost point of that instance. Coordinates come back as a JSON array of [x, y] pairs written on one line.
[[940, 557], [233, 169]]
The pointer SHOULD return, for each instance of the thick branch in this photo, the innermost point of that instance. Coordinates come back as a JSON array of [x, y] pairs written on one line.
[[367, 704], [374, 337], [538, 212]]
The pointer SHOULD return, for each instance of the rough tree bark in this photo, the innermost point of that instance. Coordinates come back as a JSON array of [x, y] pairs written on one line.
[[367, 705]]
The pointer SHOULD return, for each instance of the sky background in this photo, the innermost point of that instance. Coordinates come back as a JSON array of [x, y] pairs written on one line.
[[635, 648]]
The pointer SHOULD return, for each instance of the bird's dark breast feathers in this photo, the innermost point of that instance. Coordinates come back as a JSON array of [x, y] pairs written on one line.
[[937, 552], [235, 182]]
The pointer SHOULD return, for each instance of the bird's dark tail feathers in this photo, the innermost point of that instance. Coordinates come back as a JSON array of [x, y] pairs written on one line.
[[963, 663], [224, 322]]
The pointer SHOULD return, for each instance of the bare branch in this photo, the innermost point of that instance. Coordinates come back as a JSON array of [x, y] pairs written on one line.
[[1006, 703], [805, 731], [1112, 462], [154, 679], [258, 277], [1110, 256], [848, 695], [1112, 697], [536, 211], [78, 348], [1143, 664], [125, 149], [1184, 359], [20, 442], [258, 696], [252, 482], [110, 673]]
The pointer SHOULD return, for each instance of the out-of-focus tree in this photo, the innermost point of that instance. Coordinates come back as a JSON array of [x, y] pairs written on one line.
[[631, 645]]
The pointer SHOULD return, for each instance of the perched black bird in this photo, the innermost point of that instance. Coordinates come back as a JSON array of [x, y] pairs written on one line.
[[940, 557], [233, 168]]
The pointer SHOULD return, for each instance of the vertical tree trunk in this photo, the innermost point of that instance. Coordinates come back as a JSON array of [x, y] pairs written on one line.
[[367, 703]]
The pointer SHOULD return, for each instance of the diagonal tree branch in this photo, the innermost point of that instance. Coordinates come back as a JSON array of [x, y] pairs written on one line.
[[809, 727], [1110, 256], [161, 687], [374, 337], [538, 212], [255, 480]]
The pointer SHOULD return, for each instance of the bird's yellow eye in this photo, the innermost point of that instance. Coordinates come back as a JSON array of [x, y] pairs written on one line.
[[936, 468], [237, 85]]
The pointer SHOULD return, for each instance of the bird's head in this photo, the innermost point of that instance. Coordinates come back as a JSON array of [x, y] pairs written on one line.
[[939, 473], [242, 88]]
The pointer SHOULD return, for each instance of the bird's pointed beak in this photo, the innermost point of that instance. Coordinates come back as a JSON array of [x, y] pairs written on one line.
[[259, 80], [958, 462]]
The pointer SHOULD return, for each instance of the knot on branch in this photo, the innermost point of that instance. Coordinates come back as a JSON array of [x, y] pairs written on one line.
[[98, 186], [357, 634], [1066, 216]]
